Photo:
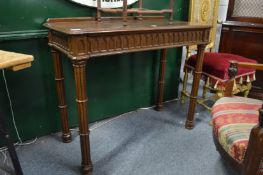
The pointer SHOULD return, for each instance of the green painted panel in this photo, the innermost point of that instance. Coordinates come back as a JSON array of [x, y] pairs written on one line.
[[20, 15], [31, 90], [116, 84], [17, 15]]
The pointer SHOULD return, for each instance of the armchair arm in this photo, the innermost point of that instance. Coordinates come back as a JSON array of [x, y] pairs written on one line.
[[254, 154], [232, 72], [250, 65]]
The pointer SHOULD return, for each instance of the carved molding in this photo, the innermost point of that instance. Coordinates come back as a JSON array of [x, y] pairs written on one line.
[[59, 40], [83, 46], [205, 12], [80, 47]]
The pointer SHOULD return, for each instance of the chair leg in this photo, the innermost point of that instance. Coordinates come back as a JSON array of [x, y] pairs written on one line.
[[184, 92], [205, 88], [219, 94], [248, 88]]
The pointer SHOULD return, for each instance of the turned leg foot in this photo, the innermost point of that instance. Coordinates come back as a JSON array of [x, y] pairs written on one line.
[[86, 170], [189, 124], [66, 137]]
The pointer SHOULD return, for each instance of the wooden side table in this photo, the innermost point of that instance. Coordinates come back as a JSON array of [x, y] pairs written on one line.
[[81, 39], [14, 62]]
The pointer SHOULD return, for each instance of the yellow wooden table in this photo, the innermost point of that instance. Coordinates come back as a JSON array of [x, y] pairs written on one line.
[[14, 62]]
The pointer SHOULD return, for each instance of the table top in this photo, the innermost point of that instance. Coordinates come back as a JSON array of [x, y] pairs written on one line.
[[88, 25], [12, 59]]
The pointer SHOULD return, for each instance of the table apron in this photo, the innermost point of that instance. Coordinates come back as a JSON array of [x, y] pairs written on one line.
[[78, 47]]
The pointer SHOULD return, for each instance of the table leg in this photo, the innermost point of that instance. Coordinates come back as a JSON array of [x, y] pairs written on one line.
[[81, 99], [159, 103], [189, 124], [13, 155], [10, 146], [59, 78]]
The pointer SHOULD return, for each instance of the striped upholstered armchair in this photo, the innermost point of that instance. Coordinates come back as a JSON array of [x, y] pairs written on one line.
[[238, 127]]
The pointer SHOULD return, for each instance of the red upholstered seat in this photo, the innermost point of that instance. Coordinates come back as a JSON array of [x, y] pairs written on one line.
[[215, 66]]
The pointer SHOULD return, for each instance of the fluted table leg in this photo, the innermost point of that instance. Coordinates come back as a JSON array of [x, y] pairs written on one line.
[[81, 99], [159, 104], [189, 124], [59, 78]]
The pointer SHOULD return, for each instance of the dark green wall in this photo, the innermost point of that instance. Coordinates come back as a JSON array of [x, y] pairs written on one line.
[[116, 84]]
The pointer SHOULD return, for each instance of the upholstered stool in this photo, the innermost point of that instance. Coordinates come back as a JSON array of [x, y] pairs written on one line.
[[14, 62], [215, 74]]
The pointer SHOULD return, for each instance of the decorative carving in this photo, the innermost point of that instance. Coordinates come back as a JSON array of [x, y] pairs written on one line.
[[59, 39], [232, 70], [86, 46], [204, 10]]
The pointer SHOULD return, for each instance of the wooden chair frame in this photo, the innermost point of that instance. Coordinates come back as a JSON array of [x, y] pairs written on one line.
[[254, 153], [203, 11], [198, 16], [140, 10]]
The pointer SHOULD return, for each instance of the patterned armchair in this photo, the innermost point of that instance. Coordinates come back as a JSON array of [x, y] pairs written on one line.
[[215, 65], [238, 127]]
